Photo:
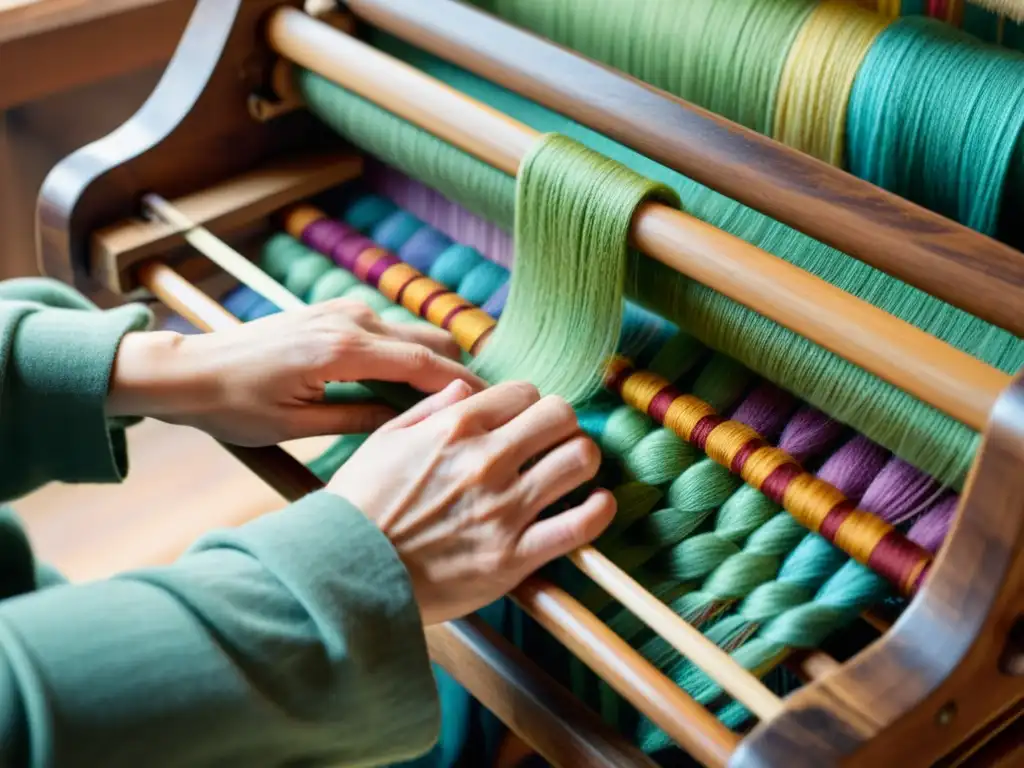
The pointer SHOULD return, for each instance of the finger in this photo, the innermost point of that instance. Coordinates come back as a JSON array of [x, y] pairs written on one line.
[[350, 419], [455, 392], [387, 359], [560, 472], [559, 535], [537, 429], [433, 338], [351, 310], [496, 405]]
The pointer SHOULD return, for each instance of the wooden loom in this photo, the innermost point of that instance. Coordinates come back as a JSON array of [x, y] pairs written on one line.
[[225, 140]]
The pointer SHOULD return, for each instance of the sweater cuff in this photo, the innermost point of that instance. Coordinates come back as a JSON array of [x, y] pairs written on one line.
[[351, 582], [62, 360]]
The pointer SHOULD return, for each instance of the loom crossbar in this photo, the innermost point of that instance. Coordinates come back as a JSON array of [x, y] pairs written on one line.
[[946, 259], [896, 351]]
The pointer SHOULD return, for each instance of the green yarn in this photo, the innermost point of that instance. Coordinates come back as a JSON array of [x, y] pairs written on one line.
[[918, 433], [478, 187], [572, 202], [935, 116], [725, 55]]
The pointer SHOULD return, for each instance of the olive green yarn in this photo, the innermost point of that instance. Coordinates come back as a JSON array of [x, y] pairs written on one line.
[[573, 213], [725, 55]]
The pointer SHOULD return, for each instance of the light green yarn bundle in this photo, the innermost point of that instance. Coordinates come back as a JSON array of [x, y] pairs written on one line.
[[934, 111], [573, 211], [926, 438], [725, 55]]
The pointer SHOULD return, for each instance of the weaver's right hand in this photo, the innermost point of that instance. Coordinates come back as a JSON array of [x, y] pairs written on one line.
[[453, 484]]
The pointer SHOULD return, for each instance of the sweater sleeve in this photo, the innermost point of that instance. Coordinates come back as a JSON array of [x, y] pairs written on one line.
[[56, 356], [293, 640]]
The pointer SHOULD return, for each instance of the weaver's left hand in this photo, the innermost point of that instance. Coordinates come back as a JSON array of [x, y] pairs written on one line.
[[263, 382]]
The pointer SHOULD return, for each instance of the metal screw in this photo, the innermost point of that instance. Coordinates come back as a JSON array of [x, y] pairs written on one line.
[[945, 715]]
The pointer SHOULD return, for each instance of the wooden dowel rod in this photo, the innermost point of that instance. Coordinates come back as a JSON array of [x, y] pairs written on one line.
[[946, 259], [937, 373], [542, 713], [688, 723], [637, 679], [678, 633], [812, 665]]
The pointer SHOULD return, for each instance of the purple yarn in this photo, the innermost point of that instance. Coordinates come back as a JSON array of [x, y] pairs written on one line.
[[494, 305], [324, 234], [899, 492], [422, 249], [931, 529], [431, 207], [854, 466], [765, 410], [809, 433]]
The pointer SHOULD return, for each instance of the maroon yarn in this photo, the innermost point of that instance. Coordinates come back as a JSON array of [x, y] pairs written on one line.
[[324, 234], [349, 248]]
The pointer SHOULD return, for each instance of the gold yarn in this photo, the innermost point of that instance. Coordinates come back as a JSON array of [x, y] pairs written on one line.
[[890, 8], [814, 91]]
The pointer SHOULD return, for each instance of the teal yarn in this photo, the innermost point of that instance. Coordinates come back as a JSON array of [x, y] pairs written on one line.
[[931, 441], [725, 55], [573, 202], [367, 210], [935, 116]]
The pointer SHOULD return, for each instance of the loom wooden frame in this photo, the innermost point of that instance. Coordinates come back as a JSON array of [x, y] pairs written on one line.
[[889, 702]]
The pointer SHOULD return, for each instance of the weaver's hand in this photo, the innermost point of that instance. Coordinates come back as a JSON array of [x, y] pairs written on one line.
[[451, 484], [263, 382]]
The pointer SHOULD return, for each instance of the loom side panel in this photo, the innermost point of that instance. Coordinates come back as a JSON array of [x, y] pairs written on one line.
[[194, 130], [953, 665]]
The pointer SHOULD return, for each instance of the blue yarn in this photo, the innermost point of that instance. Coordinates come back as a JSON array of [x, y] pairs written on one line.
[[494, 305], [422, 248], [242, 302], [395, 230]]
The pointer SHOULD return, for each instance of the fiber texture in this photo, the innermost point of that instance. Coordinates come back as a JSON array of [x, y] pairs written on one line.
[[935, 116], [785, 68], [929, 440], [725, 55], [574, 208], [814, 89]]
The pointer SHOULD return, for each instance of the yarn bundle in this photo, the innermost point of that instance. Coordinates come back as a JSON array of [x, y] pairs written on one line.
[[722, 554], [902, 98]]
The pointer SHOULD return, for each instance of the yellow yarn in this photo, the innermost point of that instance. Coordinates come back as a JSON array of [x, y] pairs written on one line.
[[810, 112], [890, 8]]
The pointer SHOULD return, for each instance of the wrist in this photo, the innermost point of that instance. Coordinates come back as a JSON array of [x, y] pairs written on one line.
[[156, 375]]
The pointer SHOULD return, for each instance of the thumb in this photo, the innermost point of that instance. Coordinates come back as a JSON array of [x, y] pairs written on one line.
[[455, 392]]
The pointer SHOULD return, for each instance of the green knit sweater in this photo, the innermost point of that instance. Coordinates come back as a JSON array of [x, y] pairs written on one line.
[[293, 640]]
